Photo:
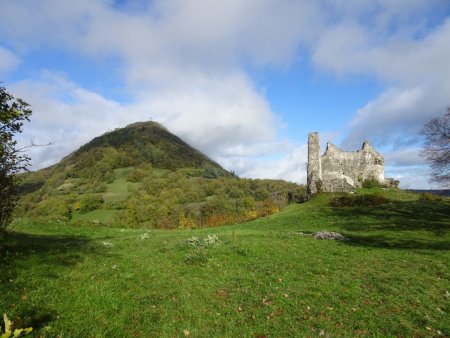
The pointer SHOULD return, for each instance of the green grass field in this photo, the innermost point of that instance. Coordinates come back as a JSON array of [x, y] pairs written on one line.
[[265, 278], [118, 190]]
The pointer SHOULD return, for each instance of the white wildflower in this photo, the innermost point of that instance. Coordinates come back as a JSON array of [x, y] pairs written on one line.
[[194, 241], [144, 236], [210, 240]]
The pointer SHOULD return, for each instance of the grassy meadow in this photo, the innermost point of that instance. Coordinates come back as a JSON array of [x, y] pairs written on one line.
[[265, 278]]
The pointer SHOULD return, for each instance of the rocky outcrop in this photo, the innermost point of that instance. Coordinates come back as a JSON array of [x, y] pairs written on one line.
[[329, 235]]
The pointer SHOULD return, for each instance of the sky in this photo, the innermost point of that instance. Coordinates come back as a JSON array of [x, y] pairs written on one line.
[[244, 81]]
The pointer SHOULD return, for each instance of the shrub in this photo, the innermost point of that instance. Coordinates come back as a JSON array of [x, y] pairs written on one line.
[[426, 196], [210, 173], [358, 200], [266, 208], [132, 217], [218, 220], [138, 174], [391, 183], [371, 183], [57, 207], [90, 203], [186, 222], [251, 215]]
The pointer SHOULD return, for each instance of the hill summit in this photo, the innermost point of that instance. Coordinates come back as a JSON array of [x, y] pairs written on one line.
[[138, 144]]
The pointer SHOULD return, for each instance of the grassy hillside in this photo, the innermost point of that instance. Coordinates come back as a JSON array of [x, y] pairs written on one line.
[[144, 176], [266, 278]]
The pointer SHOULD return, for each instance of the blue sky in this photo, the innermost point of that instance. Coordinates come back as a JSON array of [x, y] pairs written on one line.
[[242, 80]]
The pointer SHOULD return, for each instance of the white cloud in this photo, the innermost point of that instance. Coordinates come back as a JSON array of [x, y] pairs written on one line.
[[8, 61], [404, 158], [408, 59], [412, 177], [64, 114], [387, 119], [169, 31], [291, 166], [214, 113], [350, 47]]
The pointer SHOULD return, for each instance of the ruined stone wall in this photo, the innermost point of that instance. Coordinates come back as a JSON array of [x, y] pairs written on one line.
[[314, 170], [346, 170], [339, 170]]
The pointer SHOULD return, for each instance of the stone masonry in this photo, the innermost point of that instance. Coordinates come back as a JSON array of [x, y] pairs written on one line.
[[339, 170]]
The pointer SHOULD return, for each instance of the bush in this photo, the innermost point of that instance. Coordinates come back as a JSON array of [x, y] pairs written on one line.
[[358, 200], [132, 216], [266, 208], [138, 174], [426, 196], [57, 207], [371, 183], [90, 203], [186, 222]]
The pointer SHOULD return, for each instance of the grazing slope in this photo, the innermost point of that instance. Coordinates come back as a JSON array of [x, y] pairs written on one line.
[[144, 176], [266, 278]]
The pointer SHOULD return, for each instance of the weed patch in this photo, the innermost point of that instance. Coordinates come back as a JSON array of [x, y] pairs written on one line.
[[199, 257], [209, 240]]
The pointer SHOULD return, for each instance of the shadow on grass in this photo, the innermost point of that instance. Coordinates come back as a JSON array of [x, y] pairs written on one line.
[[389, 242], [398, 225], [27, 259], [18, 243], [28, 188]]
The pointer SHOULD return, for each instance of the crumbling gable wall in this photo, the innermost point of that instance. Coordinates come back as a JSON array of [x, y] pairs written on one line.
[[339, 170]]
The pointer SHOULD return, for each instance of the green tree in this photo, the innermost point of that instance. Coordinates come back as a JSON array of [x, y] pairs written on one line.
[[13, 113]]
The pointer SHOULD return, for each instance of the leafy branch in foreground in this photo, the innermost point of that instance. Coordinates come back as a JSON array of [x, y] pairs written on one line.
[[13, 113], [9, 329]]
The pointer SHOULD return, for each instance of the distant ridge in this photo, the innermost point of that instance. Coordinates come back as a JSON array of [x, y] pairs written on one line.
[[439, 192]]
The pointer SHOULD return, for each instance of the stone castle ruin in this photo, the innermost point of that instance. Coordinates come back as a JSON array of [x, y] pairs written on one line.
[[339, 170]]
